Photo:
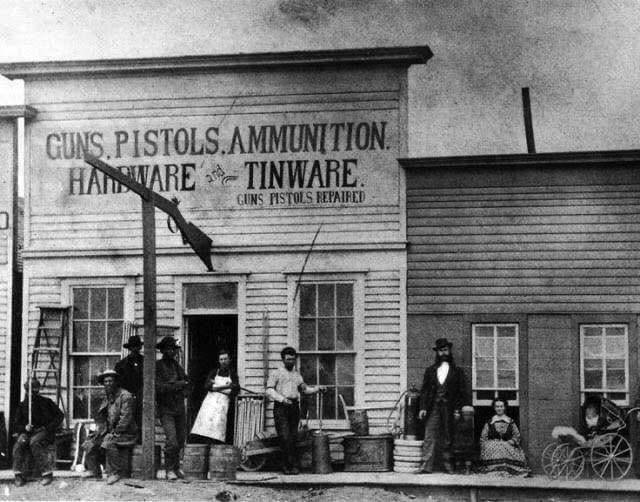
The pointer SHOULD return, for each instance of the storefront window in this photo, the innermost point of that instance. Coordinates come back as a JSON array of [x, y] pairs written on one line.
[[98, 318], [327, 356], [495, 363], [604, 361]]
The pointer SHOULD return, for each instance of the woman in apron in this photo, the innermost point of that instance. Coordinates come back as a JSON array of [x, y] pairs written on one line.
[[222, 385]]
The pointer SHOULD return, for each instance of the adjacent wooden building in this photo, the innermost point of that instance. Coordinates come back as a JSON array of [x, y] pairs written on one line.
[[530, 265]]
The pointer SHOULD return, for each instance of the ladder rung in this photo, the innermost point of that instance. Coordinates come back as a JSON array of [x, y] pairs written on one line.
[[46, 349], [43, 370]]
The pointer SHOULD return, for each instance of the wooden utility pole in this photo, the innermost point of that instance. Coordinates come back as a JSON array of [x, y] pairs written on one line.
[[201, 244], [149, 368]]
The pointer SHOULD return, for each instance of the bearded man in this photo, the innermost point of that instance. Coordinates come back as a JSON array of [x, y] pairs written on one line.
[[116, 431], [441, 398]]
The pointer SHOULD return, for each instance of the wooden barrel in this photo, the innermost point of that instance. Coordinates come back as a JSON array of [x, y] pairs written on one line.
[[194, 462], [223, 462], [137, 461]]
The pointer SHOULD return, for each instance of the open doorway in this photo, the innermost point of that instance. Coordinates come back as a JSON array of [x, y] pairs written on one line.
[[206, 335]]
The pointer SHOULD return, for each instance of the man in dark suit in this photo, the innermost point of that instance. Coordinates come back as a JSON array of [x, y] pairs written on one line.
[[441, 399], [130, 372]]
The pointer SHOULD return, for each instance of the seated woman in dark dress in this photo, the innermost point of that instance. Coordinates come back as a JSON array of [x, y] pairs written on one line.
[[500, 449]]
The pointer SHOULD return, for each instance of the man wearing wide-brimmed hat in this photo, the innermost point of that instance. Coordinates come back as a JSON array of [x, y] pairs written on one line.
[[441, 398], [36, 432], [115, 433], [130, 371], [171, 385]]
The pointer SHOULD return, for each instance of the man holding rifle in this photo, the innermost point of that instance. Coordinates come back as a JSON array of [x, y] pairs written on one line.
[[36, 421]]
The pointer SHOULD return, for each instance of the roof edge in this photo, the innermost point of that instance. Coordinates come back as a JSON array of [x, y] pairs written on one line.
[[401, 55], [16, 111], [522, 159]]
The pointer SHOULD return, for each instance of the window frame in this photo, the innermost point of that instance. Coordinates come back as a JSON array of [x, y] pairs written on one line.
[[357, 281], [627, 374], [495, 390], [128, 286]]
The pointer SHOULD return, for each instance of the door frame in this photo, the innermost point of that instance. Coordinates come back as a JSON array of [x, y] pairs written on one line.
[[240, 311]]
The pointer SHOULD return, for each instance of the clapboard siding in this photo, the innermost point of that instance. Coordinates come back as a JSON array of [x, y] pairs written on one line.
[[566, 243]]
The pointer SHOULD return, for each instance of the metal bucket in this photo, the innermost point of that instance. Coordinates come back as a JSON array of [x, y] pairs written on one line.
[[224, 461], [194, 462], [321, 454]]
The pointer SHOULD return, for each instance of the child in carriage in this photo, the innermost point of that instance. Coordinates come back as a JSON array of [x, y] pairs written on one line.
[[599, 416]]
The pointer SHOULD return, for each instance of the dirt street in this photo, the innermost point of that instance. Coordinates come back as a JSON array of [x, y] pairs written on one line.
[[77, 489]]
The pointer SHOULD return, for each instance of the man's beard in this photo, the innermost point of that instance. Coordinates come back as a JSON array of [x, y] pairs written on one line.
[[444, 359], [289, 367]]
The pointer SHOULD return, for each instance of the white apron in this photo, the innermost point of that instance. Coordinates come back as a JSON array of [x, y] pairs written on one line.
[[211, 421]]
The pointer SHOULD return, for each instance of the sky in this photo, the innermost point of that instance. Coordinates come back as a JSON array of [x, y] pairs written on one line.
[[578, 57]]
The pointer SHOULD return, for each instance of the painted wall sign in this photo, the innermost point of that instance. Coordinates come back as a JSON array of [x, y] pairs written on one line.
[[302, 159]]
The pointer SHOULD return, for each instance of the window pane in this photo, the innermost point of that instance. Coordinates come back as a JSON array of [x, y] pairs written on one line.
[[80, 403], [81, 371], [116, 303], [506, 347], [615, 379], [615, 331], [592, 346], [96, 400], [98, 303], [327, 368], [507, 363], [592, 364], [344, 334], [114, 336], [80, 336], [308, 369], [484, 378], [221, 295], [111, 362], [593, 379], [308, 334], [345, 368], [615, 346], [98, 365], [97, 336], [326, 333], [329, 403], [484, 364], [347, 395], [506, 379], [81, 303], [484, 331], [307, 300], [592, 331], [344, 299], [484, 347], [506, 331], [326, 300]]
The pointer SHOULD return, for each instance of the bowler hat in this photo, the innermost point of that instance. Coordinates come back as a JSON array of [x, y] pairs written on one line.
[[134, 341], [441, 343], [105, 374], [166, 343]]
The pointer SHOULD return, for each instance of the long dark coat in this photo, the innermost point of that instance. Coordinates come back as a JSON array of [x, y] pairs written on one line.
[[454, 389]]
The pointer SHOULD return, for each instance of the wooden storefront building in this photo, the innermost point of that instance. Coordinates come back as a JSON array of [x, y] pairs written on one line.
[[263, 152], [530, 265]]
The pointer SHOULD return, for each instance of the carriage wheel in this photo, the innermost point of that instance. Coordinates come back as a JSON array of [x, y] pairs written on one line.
[[251, 463], [547, 465], [568, 462], [611, 456]]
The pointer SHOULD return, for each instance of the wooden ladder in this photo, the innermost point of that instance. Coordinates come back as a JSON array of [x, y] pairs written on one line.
[[46, 358]]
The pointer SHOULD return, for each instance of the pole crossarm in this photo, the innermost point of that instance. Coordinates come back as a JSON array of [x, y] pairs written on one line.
[[197, 239]]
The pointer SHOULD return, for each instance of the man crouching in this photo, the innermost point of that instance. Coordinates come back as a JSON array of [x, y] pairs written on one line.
[[115, 433]]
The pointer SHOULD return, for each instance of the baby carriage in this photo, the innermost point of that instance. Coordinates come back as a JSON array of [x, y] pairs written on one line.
[[602, 446]]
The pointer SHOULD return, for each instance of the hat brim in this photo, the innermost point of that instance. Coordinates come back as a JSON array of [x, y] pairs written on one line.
[[102, 377], [132, 345], [448, 345]]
